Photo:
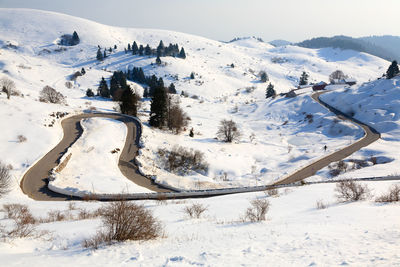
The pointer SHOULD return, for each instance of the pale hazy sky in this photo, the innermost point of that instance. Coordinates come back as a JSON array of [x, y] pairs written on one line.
[[292, 20]]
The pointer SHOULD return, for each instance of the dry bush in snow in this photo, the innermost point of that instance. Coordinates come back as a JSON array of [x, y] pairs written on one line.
[[21, 138], [257, 211], [181, 160], [177, 118], [392, 196], [124, 220], [7, 86], [24, 222], [321, 205], [228, 131], [195, 210], [50, 95], [68, 84], [272, 192], [351, 191], [5, 179]]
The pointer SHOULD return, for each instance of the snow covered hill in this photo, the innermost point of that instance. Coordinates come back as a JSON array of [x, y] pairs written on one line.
[[305, 225], [377, 104], [276, 136]]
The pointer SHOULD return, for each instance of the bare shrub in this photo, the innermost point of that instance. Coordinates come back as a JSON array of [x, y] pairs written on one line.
[[21, 138], [55, 216], [7, 86], [195, 210], [124, 220], [272, 192], [321, 205], [373, 160], [71, 206], [177, 118], [338, 168], [392, 196], [228, 131], [257, 211], [50, 95], [250, 89], [95, 241], [351, 191], [181, 160], [23, 220], [5, 179], [68, 84], [337, 75], [161, 199]]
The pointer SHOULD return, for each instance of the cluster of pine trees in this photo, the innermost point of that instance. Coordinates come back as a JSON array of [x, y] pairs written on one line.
[[119, 90], [172, 50], [137, 75], [165, 111]]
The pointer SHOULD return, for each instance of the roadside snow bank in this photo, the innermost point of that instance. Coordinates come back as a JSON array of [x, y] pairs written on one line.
[[93, 166]]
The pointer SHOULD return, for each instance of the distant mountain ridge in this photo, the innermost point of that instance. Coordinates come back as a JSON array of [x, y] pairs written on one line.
[[376, 46], [388, 42]]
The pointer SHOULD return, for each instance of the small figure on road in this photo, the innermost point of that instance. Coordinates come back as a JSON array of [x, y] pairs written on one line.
[[191, 134], [325, 147]]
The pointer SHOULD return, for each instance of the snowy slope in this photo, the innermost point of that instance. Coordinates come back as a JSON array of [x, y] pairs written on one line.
[[377, 104], [296, 233], [224, 93]]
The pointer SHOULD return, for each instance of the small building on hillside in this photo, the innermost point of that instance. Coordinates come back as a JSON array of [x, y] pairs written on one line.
[[319, 86], [350, 81]]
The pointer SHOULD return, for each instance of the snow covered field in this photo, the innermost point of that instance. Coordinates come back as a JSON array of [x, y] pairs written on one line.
[[295, 233], [278, 136]]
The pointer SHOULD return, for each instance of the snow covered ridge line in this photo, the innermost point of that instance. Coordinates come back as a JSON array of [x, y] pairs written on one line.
[[208, 193]]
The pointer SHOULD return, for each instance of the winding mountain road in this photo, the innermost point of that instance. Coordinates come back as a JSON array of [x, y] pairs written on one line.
[[370, 136], [34, 182]]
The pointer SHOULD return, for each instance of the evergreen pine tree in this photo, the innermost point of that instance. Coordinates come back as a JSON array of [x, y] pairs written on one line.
[[182, 53], [270, 91], [147, 50], [263, 76], [171, 89], [393, 70], [129, 102], [104, 54], [141, 50], [114, 86], [115, 47], [89, 93], [303, 78], [110, 50], [83, 71], [160, 49], [158, 60], [103, 89], [159, 107], [129, 47], [75, 38], [99, 55], [134, 48], [192, 75]]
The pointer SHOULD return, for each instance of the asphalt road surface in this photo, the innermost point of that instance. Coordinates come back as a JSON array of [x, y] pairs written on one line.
[[34, 183], [371, 135]]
